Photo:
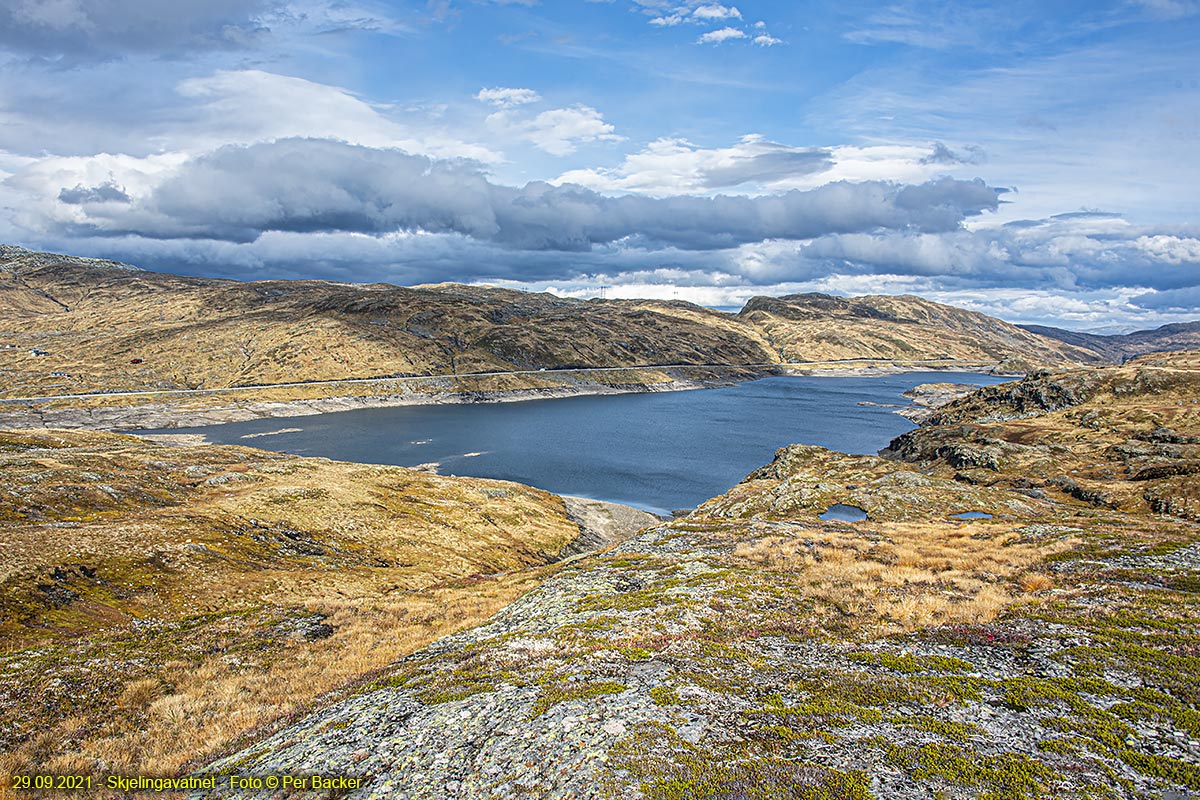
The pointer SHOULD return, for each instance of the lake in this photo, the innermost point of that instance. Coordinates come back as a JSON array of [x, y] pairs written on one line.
[[656, 451]]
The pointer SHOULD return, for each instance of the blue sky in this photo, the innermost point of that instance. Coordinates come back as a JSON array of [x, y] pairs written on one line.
[[1032, 160]]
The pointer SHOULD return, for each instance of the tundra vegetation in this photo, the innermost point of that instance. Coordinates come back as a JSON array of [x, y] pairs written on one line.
[[752, 650], [169, 609]]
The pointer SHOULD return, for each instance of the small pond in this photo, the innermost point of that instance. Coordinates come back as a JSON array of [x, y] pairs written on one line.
[[839, 512]]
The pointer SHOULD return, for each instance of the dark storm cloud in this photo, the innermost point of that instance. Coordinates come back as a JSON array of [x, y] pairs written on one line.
[[238, 193]]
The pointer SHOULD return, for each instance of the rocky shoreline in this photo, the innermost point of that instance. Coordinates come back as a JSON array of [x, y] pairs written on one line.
[[152, 416]]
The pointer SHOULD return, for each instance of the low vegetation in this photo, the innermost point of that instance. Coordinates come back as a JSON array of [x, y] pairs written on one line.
[[157, 603], [752, 650]]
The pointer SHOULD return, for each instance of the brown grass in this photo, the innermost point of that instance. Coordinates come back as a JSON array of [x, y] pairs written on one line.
[[906, 576], [187, 711], [390, 559]]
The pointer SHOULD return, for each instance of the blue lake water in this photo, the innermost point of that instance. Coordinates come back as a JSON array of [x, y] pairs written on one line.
[[659, 451]]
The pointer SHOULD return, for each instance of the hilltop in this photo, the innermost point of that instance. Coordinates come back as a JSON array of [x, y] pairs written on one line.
[[904, 328]]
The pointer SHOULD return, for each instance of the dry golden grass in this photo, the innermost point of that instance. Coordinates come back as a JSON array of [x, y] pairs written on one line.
[[906, 576], [187, 711], [390, 559]]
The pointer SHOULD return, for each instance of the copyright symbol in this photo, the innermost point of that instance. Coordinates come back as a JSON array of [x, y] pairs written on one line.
[[272, 781]]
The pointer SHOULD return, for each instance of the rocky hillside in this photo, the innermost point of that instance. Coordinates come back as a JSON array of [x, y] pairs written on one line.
[[156, 602], [1117, 348], [1046, 647], [70, 325], [904, 328], [1132, 434]]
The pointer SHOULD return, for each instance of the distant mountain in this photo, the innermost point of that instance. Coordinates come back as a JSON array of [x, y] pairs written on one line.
[[904, 328], [1119, 347], [70, 324]]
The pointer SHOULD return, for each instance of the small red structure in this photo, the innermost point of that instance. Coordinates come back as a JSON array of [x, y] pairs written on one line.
[[135, 361]]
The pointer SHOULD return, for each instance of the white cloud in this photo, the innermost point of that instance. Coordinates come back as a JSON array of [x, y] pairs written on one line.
[[87, 31], [1174, 250], [57, 15], [706, 13], [755, 164], [716, 11], [1067, 129], [558, 131], [721, 35], [239, 193], [676, 166], [507, 98], [1114, 310], [252, 105]]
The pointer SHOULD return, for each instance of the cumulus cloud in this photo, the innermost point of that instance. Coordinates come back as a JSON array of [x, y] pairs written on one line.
[[1083, 252], [237, 193], [252, 105], [721, 35], [707, 14], [1186, 300], [1173, 250], [507, 98], [558, 131], [712, 11], [674, 166]]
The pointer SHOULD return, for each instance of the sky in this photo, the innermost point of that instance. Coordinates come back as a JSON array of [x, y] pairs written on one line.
[[1035, 161]]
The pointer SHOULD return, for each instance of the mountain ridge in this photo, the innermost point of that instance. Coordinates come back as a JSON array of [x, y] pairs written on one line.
[[1120, 346], [72, 325]]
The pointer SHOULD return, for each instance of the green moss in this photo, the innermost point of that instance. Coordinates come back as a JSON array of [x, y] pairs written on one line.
[[955, 689], [1178, 772], [1027, 692], [1006, 776], [665, 696], [555, 693], [636, 653], [956, 731], [1062, 747], [658, 763], [636, 600]]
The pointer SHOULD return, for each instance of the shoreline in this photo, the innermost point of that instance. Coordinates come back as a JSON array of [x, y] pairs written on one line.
[[162, 417], [166, 416]]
